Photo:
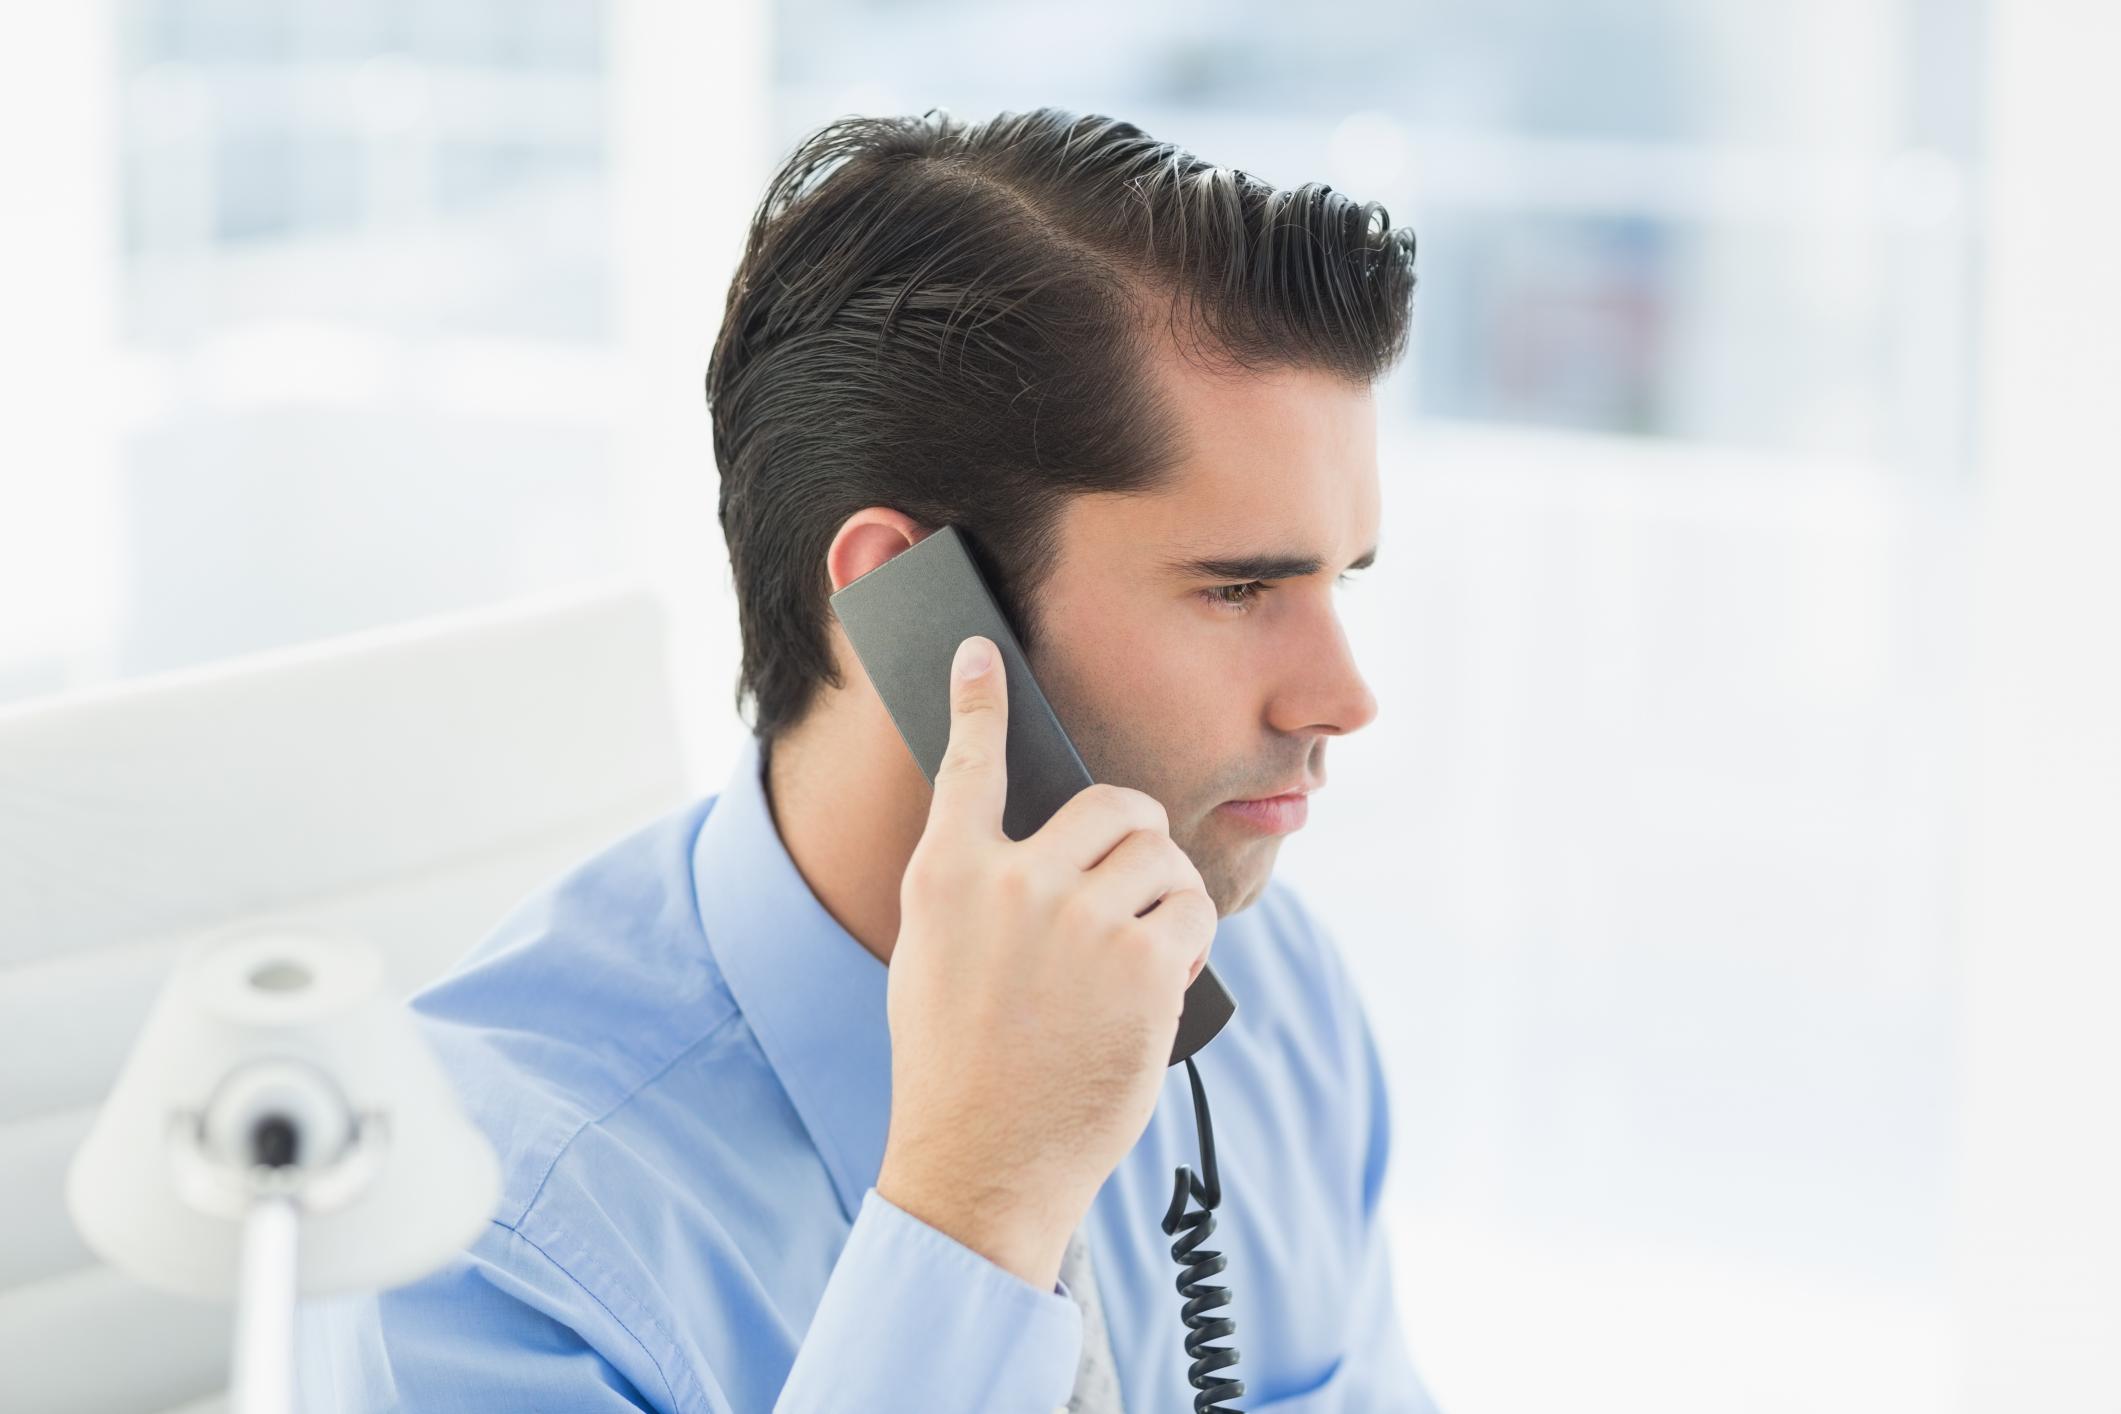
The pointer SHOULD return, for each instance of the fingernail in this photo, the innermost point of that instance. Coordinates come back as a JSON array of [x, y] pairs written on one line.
[[973, 656]]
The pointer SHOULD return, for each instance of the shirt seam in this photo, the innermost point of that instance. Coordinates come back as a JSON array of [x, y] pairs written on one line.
[[669, 1392], [691, 887], [626, 1098]]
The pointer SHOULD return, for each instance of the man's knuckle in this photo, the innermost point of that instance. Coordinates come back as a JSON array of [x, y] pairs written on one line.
[[922, 879], [1132, 804], [1077, 911], [962, 760], [1014, 881], [1105, 796]]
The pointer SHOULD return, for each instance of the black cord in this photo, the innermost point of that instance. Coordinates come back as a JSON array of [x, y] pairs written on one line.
[[1197, 1264]]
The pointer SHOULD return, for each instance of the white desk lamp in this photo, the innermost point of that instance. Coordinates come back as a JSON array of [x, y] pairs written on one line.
[[276, 1086]]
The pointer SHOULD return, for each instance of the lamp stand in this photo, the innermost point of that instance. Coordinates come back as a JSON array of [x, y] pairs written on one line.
[[263, 1360]]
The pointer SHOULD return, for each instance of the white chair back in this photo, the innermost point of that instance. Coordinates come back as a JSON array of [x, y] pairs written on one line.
[[409, 785]]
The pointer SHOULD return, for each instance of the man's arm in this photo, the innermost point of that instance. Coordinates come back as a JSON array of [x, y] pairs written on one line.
[[502, 1327], [910, 1320]]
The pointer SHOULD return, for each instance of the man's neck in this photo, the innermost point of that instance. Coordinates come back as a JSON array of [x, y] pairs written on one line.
[[850, 805]]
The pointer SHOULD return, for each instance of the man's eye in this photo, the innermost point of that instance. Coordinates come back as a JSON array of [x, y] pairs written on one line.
[[1239, 596], [1242, 597]]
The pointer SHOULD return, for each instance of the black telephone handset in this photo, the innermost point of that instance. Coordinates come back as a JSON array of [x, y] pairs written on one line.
[[905, 619]]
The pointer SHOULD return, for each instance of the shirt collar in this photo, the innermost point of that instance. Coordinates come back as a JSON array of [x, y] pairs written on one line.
[[813, 995]]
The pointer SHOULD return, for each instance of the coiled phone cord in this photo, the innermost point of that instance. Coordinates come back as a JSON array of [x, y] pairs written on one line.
[[1197, 1264]]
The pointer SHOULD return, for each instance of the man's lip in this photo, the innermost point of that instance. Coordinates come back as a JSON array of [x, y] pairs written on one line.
[[1300, 788]]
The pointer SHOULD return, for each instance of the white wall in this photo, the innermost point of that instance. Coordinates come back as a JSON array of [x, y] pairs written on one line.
[[2039, 1233]]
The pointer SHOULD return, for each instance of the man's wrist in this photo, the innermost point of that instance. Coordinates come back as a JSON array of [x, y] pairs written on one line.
[[1012, 1234]]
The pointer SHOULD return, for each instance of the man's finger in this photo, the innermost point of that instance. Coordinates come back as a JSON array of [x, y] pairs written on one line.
[[972, 783]]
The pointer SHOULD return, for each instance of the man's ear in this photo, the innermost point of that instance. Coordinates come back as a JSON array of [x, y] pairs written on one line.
[[867, 539]]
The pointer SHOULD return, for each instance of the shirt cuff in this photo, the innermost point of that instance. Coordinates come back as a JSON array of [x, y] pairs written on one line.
[[915, 1320]]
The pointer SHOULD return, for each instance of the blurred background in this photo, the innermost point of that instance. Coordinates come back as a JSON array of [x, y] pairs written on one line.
[[1685, 856]]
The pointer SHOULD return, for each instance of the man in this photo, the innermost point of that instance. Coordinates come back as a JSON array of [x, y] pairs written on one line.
[[821, 1093]]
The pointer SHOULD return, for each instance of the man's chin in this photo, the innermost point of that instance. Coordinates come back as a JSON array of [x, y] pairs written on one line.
[[1236, 883]]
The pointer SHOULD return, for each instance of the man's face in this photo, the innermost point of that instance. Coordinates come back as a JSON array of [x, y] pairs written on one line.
[[1167, 677]]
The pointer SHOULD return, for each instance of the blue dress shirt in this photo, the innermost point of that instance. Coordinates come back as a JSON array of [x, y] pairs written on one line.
[[684, 1064]]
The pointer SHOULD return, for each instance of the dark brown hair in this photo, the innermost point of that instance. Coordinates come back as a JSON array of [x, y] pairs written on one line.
[[952, 321]]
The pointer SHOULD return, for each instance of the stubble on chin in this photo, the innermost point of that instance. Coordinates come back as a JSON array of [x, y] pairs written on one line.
[[1233, 877]]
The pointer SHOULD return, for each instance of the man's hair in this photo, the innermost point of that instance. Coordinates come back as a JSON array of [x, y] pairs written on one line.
[[955, 321]]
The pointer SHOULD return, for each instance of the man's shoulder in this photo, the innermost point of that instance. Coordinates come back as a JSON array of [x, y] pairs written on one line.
[[641, 1133], [1298, 1001], [582, 995], [1281, 947]]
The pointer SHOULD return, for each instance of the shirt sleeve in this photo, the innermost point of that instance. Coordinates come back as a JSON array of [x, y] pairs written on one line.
[[914, 1320], [911, 1320], [501, 1327]]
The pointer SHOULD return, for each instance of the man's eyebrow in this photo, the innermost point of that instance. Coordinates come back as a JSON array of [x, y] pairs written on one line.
[[1259, 566]]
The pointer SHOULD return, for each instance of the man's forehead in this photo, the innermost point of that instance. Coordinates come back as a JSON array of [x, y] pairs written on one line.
[[1278, 462], [1232, 426], [1284, 463]]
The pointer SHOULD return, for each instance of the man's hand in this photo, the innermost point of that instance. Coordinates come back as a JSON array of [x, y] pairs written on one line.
[[1032, 1004]]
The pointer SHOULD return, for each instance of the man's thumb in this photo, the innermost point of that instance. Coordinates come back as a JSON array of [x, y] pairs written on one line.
[[972, 782]]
